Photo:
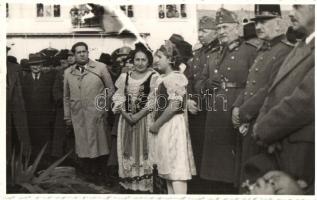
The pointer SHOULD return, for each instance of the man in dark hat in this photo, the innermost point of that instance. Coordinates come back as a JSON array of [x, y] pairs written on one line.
[[271, 55], [105, 58], [285, 126], [37, 92], [207, 36], [60, 139], [119, 57], [25, 69], [184, 48], [17, 133], [223, 81]]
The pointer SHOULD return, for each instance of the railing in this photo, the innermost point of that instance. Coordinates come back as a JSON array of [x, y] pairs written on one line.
[[159, 184]]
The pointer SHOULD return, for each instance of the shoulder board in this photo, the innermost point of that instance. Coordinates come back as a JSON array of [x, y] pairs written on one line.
[[197, 47], [255, 42], [288, 43]]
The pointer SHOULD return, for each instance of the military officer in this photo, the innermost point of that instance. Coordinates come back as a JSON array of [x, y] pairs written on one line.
[[270, 57], [224, 80], [207, 35], [286, 121]]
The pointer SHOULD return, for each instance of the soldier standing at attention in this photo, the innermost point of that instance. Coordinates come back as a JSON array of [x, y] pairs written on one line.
[[224, 81], [207, 35], [270, 57]]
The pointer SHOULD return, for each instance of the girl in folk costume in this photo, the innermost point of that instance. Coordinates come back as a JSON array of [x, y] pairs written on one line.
[[174, 156], [133, 137]]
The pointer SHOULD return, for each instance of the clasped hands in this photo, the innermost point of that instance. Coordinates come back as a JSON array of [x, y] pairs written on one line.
[[132, 119], [213, 83]]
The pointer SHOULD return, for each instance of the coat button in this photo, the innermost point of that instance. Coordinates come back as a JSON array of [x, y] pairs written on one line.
[[245, 93], [251, 93], [247, 82], [253, 82], [232, 57], [205, 65], [216, 71], [195, 66], [273, 58], [228, 68], [195, 75], [256, 69], [208, 56], [237, 49]]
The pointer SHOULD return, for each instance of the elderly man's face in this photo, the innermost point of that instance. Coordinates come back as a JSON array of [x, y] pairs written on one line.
[[266, 29], [302, 16], [205, 36], [36, 68], [228, 32]]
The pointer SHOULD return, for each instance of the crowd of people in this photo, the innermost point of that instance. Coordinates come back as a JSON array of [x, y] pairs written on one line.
[[235, 116]]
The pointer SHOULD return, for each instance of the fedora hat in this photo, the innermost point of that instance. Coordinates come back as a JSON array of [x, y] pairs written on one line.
[[105, 58], [36, 58]]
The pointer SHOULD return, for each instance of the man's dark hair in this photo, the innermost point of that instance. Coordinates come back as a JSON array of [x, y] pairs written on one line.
[[79, 44]]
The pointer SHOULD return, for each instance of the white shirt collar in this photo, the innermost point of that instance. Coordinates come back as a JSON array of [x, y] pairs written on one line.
[[33, 75], [310, 38]]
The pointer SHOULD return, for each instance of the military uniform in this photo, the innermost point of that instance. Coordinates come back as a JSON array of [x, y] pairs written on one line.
[[196, 65], [231, 66], [270, 57]]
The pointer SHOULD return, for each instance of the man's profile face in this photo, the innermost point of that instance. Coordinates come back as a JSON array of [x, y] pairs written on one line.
[[265, 28], [302, 16], [81, 55], [205, 36]]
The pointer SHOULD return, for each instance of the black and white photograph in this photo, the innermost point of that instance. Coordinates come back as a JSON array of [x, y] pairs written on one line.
[[166, 99]]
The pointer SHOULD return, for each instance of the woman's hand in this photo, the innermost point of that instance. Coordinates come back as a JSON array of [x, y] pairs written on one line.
[[154, 128], [129, 118]]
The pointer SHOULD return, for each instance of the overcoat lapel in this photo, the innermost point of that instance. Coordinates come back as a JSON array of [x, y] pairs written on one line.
[[299, 54]]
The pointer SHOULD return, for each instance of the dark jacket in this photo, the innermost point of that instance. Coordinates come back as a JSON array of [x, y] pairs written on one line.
[[195, 67], [288, 115], [39, 106], [16, 116]]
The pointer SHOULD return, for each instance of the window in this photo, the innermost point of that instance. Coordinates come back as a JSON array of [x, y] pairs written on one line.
[[47, 10], [127, 10], [87, 16], [172, 11], [7, 8]]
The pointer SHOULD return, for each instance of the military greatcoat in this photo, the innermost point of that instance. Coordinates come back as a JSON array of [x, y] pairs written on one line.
[[261, 75], [230, 67], [196, 65]]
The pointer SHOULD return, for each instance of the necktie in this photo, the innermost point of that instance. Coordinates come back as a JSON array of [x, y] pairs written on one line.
[[36, 77], [81, 69]]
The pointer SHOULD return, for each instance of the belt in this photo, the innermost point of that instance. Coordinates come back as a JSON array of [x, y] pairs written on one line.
[[225, 85]]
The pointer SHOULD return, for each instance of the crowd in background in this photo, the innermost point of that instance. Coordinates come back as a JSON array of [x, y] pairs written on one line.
[[234, 116]]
